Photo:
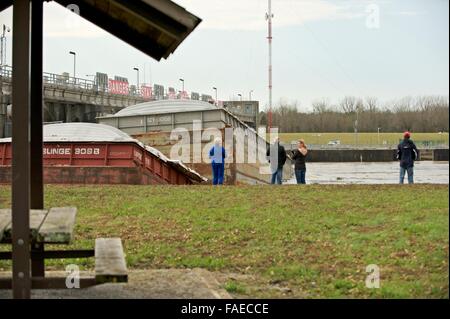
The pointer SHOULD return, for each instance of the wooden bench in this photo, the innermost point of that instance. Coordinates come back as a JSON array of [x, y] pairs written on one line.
[[5, 221], [110, 265], [56, 226], [50, 227]]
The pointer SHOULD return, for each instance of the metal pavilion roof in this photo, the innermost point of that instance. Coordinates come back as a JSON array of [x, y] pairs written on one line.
[[156, 27]]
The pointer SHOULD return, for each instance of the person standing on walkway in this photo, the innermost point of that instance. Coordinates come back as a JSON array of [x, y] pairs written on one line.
[[407, 153], [299, 158], [277, 158], [217, 154]]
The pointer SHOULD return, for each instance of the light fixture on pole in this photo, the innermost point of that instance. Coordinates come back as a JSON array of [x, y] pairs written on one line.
[[74, 65], [182, 82], [240, 97], [215, 89], [137, 71]]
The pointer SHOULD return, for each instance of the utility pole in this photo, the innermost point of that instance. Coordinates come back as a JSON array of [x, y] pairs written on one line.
[[269, 17], [137, 80], [3, 45], [182, 85], [215, 89], [74, 66]]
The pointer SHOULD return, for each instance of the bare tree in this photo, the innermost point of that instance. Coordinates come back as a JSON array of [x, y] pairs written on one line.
[[371, 104], [349, 104], [321, 106], [421, 114]]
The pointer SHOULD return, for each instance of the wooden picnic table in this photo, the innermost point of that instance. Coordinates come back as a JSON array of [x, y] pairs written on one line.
[[56, 227]]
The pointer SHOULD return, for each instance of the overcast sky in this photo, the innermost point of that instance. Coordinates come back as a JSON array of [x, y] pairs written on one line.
[[322, 49]]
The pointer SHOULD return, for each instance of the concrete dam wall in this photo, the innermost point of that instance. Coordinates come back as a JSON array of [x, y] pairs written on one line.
[[371, 155]]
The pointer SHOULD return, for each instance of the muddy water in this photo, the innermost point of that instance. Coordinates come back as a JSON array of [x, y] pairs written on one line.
[[373, 173]]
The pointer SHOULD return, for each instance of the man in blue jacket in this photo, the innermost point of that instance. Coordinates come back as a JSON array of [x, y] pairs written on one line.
[[217, 155], [407, 153]]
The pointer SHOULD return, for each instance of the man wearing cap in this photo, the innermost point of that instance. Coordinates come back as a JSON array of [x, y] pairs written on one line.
[[407, 153]]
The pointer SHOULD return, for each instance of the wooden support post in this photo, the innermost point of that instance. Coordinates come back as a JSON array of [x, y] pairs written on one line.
[[21, 282], [37, 183]]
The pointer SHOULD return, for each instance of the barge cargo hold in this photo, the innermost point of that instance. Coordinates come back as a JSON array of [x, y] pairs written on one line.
[[153, 123], [85, 153]]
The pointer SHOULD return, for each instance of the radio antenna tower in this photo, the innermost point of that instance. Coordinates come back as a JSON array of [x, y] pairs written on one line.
[[269, 17]]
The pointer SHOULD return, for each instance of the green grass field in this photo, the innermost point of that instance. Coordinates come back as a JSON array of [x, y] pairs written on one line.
[[364, 138], [315, 241]]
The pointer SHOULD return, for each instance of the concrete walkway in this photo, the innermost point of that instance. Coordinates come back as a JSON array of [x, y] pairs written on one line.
[[142, 284]]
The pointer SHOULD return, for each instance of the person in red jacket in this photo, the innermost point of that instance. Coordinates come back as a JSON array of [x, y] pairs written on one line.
[[407, 153]]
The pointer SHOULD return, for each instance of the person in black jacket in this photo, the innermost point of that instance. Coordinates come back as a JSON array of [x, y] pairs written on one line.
[[299, 158], [407, 153], [277, 158]]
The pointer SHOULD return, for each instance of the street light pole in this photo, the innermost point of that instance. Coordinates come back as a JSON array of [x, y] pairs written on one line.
[[182, 83], [250, 95], [137, 71], [240, 96], [74, 65], [215, 89]]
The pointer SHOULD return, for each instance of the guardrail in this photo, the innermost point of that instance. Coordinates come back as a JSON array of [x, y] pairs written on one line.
[[68, 81]]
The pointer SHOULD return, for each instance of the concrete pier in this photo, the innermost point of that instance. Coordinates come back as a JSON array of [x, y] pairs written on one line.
[[371, 155]]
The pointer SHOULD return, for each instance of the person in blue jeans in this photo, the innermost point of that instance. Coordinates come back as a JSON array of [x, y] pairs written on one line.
[[299, 158], [217, 155], [277, 158], [407, 153]]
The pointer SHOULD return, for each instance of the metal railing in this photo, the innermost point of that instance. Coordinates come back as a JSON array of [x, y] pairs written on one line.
[[67, 81], [56, 79]]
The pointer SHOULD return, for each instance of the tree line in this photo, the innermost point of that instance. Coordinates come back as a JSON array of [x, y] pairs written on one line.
[[416, 114]]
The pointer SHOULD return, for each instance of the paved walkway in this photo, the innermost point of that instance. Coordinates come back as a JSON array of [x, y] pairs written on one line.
[[142, 284]]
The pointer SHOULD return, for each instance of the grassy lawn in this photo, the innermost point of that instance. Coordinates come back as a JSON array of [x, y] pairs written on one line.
[[364, 138], [315, 241]]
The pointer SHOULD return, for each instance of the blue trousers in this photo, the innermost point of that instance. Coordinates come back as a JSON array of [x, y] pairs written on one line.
[[277, 177], [410, 171], [218, 170], [300, 175]]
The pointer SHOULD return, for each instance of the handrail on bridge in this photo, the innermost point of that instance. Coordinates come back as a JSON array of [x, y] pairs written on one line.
[[66, 80]]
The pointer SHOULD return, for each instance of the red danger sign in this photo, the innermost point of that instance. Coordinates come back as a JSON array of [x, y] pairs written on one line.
[[118, 87]]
